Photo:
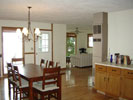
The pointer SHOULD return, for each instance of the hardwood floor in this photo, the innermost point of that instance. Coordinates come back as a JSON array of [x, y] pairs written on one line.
[[76, 85]]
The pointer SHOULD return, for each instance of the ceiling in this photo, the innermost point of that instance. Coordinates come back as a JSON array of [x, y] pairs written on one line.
[[73, 12]]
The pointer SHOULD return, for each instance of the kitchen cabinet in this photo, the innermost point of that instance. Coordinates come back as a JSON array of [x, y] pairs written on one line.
[[127, 84], [107, 79], [114, 81], [100, 81], [100, 78], [113, 85]]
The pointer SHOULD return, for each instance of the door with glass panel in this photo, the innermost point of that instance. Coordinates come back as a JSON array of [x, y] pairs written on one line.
[[43, 47]]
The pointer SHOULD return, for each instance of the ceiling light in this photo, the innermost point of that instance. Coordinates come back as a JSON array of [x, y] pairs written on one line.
[[27, 30]]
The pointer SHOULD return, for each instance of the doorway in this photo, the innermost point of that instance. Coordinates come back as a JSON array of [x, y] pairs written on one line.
[[71, 45], [12, 46]]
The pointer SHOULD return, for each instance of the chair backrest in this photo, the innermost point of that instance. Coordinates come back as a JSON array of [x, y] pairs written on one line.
[[42, 62], [46, 64], [57, 64], [9, 68], [17, 60], [51, 73], [16, 75], [50, 64]]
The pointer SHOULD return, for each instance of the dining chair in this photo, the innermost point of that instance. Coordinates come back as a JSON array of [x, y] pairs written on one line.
[[16, 60], [42, 62], [46, 64], [21, 85], [51, 64], [48, 88], [11, 83]]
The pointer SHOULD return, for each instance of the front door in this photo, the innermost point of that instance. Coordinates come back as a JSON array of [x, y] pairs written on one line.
[[44, 47]]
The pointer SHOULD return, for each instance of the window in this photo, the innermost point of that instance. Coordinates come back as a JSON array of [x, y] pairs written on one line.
[[44, 41], [71, 44], [90, 41]]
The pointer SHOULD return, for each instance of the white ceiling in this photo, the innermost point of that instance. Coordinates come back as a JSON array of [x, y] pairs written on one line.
[[75, 12]]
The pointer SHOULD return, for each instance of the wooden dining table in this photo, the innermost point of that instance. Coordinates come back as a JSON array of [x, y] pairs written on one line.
[[33, 73]]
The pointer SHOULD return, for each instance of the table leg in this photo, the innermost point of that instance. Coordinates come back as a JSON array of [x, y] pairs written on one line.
[[30, 91]]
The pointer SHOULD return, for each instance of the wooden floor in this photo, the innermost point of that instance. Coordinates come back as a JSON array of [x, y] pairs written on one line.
[[76, 85]]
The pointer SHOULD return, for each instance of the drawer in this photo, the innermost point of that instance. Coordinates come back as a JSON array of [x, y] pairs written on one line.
[[101, 68], [128, 73], [114, 70]]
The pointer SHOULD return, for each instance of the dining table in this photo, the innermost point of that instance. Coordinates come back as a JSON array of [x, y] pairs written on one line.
[[33, 73]]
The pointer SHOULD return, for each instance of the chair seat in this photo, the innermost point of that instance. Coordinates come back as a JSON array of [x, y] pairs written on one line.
[[47, 87], [24, 83], [11, 80]]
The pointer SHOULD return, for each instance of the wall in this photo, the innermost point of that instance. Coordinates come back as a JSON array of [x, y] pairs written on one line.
[[120, 32], [59, 43], [59, 30]]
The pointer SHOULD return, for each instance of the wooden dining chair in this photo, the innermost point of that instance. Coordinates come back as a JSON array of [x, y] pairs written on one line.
[[11, 83], [50, 64], [21, 85], [42, 62], [16, 60], [48, 87]]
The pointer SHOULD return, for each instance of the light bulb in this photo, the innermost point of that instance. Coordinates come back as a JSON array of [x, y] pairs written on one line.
[[25, 31], [18, 31], [37, 31]]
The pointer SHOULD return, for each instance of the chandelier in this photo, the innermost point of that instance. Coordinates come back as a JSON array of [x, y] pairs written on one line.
[[27, 32], [77, 30]]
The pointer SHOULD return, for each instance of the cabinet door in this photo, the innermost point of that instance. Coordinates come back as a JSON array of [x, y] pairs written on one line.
[[113, 85], [127, 88], [100, 81]]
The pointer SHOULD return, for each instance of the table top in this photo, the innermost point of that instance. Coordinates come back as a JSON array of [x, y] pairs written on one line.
[[31, 71]]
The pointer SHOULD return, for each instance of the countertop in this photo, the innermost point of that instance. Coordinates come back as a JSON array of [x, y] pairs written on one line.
[[122, 66]]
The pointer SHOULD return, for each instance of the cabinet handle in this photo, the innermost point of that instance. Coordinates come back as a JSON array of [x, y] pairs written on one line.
[[113, 70], [130, 72], [104, 78], [108, 79], [100, 68]]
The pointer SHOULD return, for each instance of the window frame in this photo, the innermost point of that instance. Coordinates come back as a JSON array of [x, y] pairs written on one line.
[[88, 36]]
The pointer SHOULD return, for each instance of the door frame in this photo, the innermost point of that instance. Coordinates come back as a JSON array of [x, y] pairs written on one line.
[[2, 30]]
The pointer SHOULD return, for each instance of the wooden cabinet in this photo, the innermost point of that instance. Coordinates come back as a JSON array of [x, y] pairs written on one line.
[[107, 79], [113, 85], [127, 84], [114, 81], [100, 81]]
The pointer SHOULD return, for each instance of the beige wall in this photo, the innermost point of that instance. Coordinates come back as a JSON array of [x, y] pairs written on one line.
[[59, 44], [59, 30], [120, 32]]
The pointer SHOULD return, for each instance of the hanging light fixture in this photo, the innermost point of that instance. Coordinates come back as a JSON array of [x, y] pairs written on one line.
[[28, 32], [77, 30]]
